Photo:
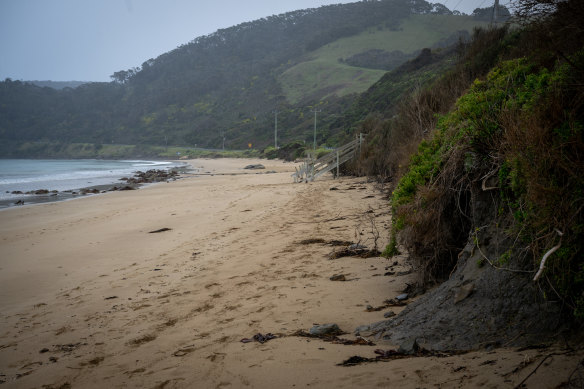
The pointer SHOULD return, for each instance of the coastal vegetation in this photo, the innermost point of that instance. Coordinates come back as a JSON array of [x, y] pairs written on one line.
[[493, 144]]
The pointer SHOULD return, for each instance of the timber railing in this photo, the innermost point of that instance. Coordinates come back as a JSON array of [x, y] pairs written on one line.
[[314, 168]]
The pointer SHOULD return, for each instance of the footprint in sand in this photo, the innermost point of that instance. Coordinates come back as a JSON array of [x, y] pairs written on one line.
[[63, 330], [93, 362], [168, 323], [224, 339], [141, 340], [216, 357], [185, 350]]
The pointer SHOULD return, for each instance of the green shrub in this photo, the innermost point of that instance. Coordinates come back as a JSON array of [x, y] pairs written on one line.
[[523, 123]]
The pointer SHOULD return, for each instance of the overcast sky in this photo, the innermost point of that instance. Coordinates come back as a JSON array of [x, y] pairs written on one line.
[[89, 40]]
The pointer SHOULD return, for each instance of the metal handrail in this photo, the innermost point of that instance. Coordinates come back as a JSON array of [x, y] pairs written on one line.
[[312, 169]]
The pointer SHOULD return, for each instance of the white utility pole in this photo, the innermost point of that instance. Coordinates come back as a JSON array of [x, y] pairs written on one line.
[[495, 12], [276, 130], [315, 112]]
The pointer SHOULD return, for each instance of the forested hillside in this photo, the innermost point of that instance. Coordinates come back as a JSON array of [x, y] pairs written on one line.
[[227, 84]]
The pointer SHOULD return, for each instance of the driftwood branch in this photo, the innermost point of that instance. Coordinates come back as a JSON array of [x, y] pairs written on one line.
[[520, 385], [484, 181], [546, 256]]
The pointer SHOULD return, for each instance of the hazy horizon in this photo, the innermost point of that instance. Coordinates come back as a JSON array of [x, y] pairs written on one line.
[[89, 40]]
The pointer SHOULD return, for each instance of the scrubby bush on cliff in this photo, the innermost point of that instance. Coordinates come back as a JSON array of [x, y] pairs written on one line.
[[516, 134], [524, 126]]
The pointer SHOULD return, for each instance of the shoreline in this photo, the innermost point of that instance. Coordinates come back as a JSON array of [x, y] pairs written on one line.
[[91, 297], [36, 196]]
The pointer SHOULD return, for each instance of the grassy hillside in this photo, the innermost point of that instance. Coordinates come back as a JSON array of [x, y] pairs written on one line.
[[320, 79], [322, 72], [412, 34]]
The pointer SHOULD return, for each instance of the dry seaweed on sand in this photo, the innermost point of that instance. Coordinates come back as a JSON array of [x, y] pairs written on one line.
[[387, 304], [261, 338], [354, 252], [356, 360], [390, 355], [160, 230], [333, 338], [327, 337], [334, 242]]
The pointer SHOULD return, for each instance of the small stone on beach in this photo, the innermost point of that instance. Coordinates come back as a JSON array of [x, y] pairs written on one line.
[[325, 329], [160, 230], [409, 347]]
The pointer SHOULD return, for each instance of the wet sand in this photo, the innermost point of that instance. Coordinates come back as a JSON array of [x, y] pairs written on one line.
[[90, 298]]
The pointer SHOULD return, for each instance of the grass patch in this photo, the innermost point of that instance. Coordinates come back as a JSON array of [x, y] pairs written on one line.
[[322, 74]]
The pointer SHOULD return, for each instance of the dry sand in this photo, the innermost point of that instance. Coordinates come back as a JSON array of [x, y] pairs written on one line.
[[90, 299]]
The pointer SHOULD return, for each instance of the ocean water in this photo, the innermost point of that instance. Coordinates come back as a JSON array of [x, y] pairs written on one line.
[[26, 175]]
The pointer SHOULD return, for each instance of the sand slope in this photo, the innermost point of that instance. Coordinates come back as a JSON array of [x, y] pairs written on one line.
[[90, 298]]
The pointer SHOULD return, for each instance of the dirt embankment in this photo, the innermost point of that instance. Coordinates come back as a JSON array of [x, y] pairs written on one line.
[[483, 303]]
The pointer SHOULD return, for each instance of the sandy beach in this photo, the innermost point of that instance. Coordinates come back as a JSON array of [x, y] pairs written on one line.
[[91, 298]]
